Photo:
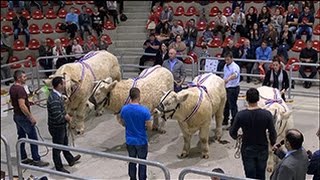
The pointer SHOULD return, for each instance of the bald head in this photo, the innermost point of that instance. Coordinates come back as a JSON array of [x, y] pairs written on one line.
[[172, 53], [295, 138]]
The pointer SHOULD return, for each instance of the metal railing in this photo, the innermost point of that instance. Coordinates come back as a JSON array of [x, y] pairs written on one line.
[[8, 156], [302, 79], [186, 171], [80, 150]]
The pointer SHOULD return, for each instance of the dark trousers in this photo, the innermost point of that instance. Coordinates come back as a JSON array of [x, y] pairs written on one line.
[[46, 64], [254, 159], [26, 32], [231, 104], [72, 29], [25, 128], [140, 151], [83, 28], [59, 136], [248, 66], [313, 71], [221, 29]]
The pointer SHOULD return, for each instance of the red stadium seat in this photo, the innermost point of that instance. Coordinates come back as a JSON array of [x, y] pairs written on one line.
[[51, 14], [50, 42], [34, 29], [296, 10], [14, 59], [32, 61], [91, 2], [94, 39], [81, 2], [44, 2], [69, 2], [58, 30], [159, 9], [188, 59], [62, 13], [192, 11], [298, 45], [37, 14], [4, 4], [1, 17], [316, 45], [180, 23], [218, 55], [170, 8], [10, 15], [201, 25], [18, 45], [64, 41], [107, 37], [215, 43], [241, 41], [47, 28], [227, 11], [291, 61], [76, 10], [226, 41], [89, 11], [108, 25], [7, 29], [212, 24], [318, 14], [258, 1], [316, 30], [222, 1], [214, 11], [26, 14], [34, 44], [199, 42], [179, 11]]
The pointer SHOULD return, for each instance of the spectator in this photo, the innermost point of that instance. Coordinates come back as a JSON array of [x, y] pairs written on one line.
[[221, 25], [190, 35], [5, 46], [89, 45], [255, 36], [251, 18], [176, 29], [103, 43], [262, 53], [97, 21], [136, 118], [237, 22], [294, 163], [45, 50], [308, 55], [247, 52], [59, 50], [153, 20], [217, 170], [20, 24], [179, 46], [207, 36], [24, 120], [306, 3], [164, 35], [239, 4], [305, 22], [60, 3], [162, 54], [291, 19], [20, 4], [230, 48], [270, 3], [177, 69], [277, 77], [231, 77], [314, 166], [57, 124], [271, 37], [85, 21], [166, 17], [277, 20], [72, 22], [264, 18], [285, 43], [76, 49], [37, 3], [152, 46], [112, 10], [254, 122]]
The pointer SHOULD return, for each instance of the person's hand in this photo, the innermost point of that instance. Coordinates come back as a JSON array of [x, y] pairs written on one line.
[[68, 118], [309, 154], [32, 120], [283, 91]]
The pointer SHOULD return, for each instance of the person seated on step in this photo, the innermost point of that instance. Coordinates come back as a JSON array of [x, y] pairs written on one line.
[[150, 46]]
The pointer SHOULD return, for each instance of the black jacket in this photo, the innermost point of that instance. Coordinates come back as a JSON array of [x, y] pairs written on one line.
[[17, 20], [275, 83]]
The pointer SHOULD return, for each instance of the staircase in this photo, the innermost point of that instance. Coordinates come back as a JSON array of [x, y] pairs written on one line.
[[130, 35]]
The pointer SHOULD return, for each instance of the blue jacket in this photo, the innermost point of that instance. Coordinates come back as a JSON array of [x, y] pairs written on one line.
[[314, 166], [263, 54]]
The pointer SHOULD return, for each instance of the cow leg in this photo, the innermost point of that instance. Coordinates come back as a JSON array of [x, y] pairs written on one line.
[[219, 120], [186, 146], [204, 140], [80, 117]]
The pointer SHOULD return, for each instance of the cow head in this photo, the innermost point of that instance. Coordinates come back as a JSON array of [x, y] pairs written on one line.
[[170, 102]]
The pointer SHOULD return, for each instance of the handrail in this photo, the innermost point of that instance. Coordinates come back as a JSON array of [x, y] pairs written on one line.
[[8, 156], [80, 150], [302, 79], [186, 171]]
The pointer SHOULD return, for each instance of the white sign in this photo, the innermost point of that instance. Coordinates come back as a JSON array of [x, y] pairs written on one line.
[[211, 65]]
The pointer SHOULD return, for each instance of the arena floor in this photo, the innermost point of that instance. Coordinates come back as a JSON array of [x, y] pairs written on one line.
[[106, 135]]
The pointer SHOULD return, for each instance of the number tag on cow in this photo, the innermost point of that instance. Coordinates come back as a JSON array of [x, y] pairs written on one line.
[[211, 65]]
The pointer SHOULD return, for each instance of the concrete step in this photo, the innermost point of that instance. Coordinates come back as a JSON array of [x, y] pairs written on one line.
[[139, 15], [131, 29], [136, 3], [130, 50], [135, 9], [135, 22], [129, 43], [131, 36], [127, 59]]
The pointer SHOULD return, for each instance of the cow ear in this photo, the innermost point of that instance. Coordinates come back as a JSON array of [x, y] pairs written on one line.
[[108, 80], [182, 97]]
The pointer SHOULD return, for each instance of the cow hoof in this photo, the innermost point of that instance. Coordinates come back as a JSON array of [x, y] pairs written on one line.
[[205, 156], [182, 155], [154, 128]]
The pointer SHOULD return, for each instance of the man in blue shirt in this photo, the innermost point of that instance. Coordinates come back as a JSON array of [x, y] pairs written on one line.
[[72, 20], [231, 76], [262, 53], [135, 118]]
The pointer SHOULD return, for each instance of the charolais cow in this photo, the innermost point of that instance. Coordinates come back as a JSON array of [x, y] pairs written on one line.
[[194, 108], [80, 78]]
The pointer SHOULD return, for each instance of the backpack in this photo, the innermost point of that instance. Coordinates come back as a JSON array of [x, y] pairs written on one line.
[[123, 17]]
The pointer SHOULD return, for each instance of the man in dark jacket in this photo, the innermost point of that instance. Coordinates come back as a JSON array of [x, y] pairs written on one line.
[[85, 21], [247, 52], [20, 24], [57, 122], [308, 55]]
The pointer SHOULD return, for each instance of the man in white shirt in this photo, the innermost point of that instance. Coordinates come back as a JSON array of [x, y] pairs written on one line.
[[221, 25], [237, 22], [176, 29]]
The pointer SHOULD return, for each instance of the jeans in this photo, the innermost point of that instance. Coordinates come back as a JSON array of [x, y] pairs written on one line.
[[26, 32], [83, 28], [140, 151], [231, 104], [190, 43], [59, 136], [313, 72], [24, 128], [254, 159], [306, 29], [21, 4]]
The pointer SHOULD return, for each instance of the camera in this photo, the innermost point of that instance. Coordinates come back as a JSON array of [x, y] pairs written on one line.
[[280, 144]]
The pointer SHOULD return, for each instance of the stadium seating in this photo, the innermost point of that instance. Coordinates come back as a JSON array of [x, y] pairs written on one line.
[[50, 42], [69, 2], [51, 14], [179, 11], [57, 29], [34, 29], [62, 13], [316, 45], [108, 25], [191, 11], [212, 24], [18, 45], [107, 37], [7, 29], [32, 61], [64, 41], [10, 15], [4, 4], [37, 14], [316, 30], [14, 59], [201, 25], [214, 11], [199, 42], [188, 60], [291, 61], [81, 2], [89, 11], [180, 23], [26, 14], [298, 45], [80, 40], [34, 44], [226, 41], [227, 11], [47, 28], [215, 43], [318, 14]]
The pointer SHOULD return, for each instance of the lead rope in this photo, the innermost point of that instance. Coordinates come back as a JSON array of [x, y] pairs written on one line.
[[237, 154]]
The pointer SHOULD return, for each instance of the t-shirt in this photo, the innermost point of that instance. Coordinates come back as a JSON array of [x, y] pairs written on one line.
[[135, 117], [150, 49], [18, 92], [307, 18]]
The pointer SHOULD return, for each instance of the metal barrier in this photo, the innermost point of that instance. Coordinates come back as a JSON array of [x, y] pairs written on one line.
[[301, 79], [186, 171], [8, 156], [80, 150]]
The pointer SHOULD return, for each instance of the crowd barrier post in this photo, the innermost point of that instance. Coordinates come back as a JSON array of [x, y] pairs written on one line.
[[8, 156]]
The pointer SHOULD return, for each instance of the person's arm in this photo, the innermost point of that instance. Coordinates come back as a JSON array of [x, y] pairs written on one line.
[[266, 81], [311, 21], [285, 81], [235, 127], [26, 111], [257, 54], [234, 75], [271, 129], [269, 53], [314, 163], [67, 19], [80, 19]]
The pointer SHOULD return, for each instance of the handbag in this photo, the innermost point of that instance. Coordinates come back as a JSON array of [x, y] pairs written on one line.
[[151, 25], [123, 17]]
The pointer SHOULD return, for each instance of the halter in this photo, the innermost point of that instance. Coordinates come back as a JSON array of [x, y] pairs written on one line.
[[104, 102], [160, 107]]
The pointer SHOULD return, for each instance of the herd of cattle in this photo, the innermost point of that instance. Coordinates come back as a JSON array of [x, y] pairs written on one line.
[[94, 84]]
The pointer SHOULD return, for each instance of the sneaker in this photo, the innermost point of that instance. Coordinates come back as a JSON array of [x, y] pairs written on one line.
[[40, 163], [27, 161], [63, 170], [75, 159]]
